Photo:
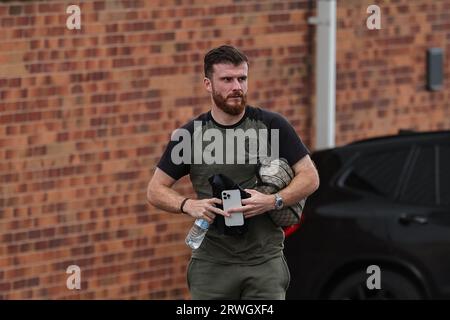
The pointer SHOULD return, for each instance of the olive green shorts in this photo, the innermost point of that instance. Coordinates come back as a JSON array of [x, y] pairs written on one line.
[[209, 281]]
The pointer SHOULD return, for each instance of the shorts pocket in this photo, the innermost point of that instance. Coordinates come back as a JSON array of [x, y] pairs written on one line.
[[287, 273], [188, 273]]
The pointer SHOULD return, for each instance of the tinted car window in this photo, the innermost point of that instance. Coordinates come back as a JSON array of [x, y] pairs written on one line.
[[378, 173], [420, 185], [444, 175]]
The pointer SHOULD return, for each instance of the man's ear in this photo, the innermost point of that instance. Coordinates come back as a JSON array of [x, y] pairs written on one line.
[[208, 84]]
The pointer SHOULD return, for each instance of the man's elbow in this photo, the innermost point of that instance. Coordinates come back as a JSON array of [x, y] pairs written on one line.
[[315, 181]]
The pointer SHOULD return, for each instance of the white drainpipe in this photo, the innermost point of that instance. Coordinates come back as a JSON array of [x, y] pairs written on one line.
[[325, 73]]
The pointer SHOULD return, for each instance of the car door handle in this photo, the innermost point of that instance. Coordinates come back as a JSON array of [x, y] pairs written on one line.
[[409, 218]]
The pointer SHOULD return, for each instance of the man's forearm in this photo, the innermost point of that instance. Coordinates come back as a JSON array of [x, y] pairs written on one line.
[[299, 188], [165, 198]]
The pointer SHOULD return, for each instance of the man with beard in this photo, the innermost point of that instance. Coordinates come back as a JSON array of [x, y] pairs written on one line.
[[247, 265]]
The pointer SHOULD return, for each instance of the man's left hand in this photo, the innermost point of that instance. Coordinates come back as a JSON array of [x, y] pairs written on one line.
[[257, 204]]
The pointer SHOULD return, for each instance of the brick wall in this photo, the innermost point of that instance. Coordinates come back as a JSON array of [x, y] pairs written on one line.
[[85, 115], [381, 73]]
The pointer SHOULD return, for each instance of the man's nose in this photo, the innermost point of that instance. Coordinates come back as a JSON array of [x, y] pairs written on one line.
[[236, 85]]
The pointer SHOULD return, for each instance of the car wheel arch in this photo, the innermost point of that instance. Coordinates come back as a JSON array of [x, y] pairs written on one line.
[[351, 267]]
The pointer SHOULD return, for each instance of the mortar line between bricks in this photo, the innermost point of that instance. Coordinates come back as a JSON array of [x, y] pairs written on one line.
[[181, 277], [82, 256], [153, 128], [76, 106], [102, 264], [76, 188], [74, 175], [52, 273], [161, 246], [136, 45], [107, 104], [85, 163], [116, 286], [143, 192], [141, 89], [78, 233], [113, 70], [302, 25], [78, 129], [150, 136], [94, 16], [260, 13], [139, 46], [87, 126], [80, 202], [148, 87], [169, 23], [98, 243], [257, 30], [98, 279], [283, 105], [147, 160], [146, 136], [80, 211], [90, 163], [49, 275], [268, 8], [93, 290], [140, 101], [159, 7], [222, 27], [98, 220]]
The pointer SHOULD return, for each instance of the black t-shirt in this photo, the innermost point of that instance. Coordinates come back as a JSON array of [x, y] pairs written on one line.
[[203, 147]]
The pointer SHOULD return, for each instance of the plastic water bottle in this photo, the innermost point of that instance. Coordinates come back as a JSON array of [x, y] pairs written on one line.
[[197, 233]]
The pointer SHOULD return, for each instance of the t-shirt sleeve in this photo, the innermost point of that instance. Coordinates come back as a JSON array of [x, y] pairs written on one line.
[[291, 146], [166, 164], [177, 169]]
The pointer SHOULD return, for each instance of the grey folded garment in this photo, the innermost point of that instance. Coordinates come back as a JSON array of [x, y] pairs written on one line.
[[273, 176]]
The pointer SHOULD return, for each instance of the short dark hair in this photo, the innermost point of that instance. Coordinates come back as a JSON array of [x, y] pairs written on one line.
[[223, 54]]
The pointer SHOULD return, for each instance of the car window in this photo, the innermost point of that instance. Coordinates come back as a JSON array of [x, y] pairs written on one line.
[[378, 172], [420, 186], [444, 175]]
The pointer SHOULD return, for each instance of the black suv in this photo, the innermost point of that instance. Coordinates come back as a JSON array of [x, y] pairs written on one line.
[[382, 202]]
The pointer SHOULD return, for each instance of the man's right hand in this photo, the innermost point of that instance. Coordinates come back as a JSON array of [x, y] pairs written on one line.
[[204, 209]]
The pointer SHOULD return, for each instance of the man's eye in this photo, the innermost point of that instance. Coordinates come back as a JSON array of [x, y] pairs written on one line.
[[242, 79]]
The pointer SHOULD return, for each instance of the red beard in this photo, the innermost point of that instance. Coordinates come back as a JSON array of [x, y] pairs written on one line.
[[229, 105]]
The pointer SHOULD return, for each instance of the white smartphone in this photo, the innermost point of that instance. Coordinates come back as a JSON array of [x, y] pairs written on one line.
[[232, 199]]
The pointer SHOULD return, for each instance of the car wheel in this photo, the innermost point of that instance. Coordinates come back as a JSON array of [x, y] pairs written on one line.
[[393, 286]]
